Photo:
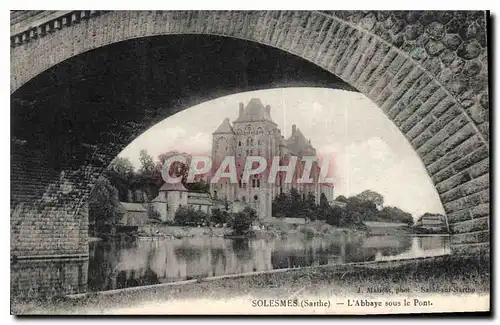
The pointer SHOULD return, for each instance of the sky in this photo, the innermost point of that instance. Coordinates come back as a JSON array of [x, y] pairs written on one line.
[[368, 150]]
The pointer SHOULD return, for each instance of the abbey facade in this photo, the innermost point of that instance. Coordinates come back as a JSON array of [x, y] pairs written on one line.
[[254, 133]]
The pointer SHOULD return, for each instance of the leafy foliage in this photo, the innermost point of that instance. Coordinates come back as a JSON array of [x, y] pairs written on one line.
[[219, 216], [294, 205], [104, 207], [188, 216], [393, 214], [371, 196], [341, 198], [243, 220]]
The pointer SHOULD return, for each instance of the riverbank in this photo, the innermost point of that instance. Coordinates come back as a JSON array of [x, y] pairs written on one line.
[[443, 275], [271, 229]]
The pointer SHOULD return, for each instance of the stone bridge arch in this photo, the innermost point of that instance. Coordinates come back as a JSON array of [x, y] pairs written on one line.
[[426, 70]]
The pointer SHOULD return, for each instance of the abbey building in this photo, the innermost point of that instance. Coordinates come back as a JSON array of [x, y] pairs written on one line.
[[254, 133]]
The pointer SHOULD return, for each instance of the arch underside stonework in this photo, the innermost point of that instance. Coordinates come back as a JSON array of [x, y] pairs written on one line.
[[427, 71]]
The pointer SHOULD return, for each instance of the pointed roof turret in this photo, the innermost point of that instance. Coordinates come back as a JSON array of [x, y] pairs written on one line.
[[225, 127], [255, 111]]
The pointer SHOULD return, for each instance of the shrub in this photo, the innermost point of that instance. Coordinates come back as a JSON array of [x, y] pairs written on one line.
[[188, 216], [243, 220]]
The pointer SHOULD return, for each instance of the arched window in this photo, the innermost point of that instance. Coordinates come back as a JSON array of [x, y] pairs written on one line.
[[244, 199], [215, 195], [239, 143], [249, 142], [255, 197], [260, 130], [248, 130]]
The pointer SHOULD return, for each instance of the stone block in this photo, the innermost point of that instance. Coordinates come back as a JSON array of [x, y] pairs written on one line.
[[471, 238], [471, 158], [475, 185], [443, 157], [452, 182], [480, 249], [479, 168], [452, 195], [470, 226], [480, 210], [464, 202]]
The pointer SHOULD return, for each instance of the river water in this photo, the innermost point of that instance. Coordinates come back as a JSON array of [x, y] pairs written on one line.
[[114, 265]]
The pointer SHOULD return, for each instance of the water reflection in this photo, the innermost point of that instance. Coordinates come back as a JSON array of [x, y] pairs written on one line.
[[115, 265]]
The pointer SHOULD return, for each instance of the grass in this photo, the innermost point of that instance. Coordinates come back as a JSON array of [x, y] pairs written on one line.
[[442, 274]]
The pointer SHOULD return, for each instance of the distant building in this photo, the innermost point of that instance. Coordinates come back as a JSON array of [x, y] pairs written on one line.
[[200, 201], [132, 215], [172, 196], [169, 199], [432, 223]]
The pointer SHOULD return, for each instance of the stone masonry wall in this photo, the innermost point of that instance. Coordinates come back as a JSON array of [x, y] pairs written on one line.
[[428, 73], [49, 215], [48, 278]]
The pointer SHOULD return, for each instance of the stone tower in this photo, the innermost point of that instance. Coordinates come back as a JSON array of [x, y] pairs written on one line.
[[255, 136], [223, 144]]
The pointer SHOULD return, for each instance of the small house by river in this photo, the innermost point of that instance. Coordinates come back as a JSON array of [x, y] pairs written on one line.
[[133, 215]]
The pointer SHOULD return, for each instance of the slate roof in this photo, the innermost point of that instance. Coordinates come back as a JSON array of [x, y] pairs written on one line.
[[254, 111], [173, 187], [225, 127], [136, 207], [199, 198]]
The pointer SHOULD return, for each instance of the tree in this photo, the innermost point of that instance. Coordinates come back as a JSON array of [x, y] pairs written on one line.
[[372, 196], [180, 169], [281, 206], [295, 203], [219, 216], [323, 201], [357, 211], [147, 163], [243, 220], [323, 208], [394, 214], [121, 166], [308, 209], [188, 216], [120, 173], [341, 198], [335, 216], [104, 207]]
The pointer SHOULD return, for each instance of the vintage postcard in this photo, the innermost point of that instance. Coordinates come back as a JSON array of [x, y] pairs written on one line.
[[249, 162]]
